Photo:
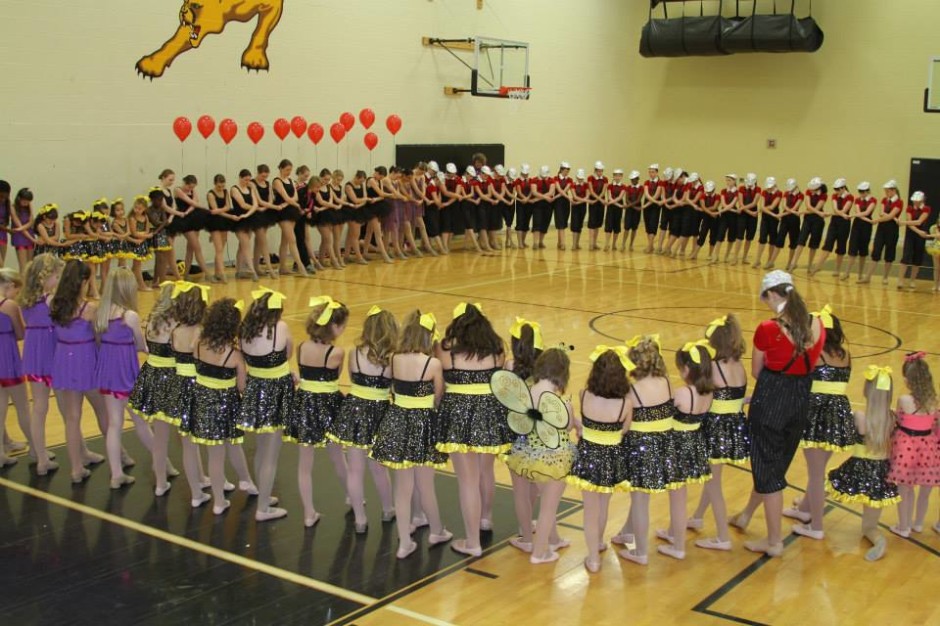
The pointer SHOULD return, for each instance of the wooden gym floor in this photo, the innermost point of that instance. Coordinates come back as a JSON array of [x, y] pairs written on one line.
[[90, 555]]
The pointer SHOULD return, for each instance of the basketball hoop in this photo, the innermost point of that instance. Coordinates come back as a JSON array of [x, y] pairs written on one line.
[[515, 93]]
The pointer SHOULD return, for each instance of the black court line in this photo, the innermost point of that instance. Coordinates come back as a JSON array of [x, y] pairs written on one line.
[[471, 570], [569, 525]]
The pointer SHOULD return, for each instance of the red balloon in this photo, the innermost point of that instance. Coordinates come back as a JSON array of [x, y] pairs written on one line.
[[337, 132], [255, 132], [182, 127], [227, 130], [367, 118], [299, 125], [393, 124], [315, 132], [371, 140], [205, 125], [347, 120], [281, 128]]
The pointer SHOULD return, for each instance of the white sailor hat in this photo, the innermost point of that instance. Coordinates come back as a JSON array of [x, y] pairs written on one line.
[[891, 184], [710, 186], [500, 170], [580, 174], [791, 184], [918, 196], [599, 165], [525, 169], [814, 183], [545, 170], [618, 171], [564, 165], [771, 182], [451, 168], [693, 177], [472, 171], [653, 166], [486, 170], [432, 165], [839, 183], [864, 186]]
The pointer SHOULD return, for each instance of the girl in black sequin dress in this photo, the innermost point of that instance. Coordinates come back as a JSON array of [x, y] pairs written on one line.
[[406, 437], [725, 429], [265, 344], [317, 399], [598, 469], [363, 409], [473, 428], [220, 379]]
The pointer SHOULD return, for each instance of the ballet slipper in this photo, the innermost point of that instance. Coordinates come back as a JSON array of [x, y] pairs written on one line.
[[92, 458], [205, 483], [623, 539], [388, 516], [120, 481], [564, 543], [444, 537], [361, 529], [797, 514], [877, 551], [127, 460], [486, 525], [906, 534], [672, 551], [663, 533], [310, 522], [762, 547], [405, 551], [198, 502], [713, 543], [518, 543], [538, 560], [43, 469], [740, 521], [248, 487], [633, 557], [273, 501], [81, 476], [227, 486], [602, 547], [14, 447], [917, 528], [417, 522], [49, 456], [171, 472], [162, 491], [695, 523], [592, 566], [271, 513], [461, 546], [220, 509], [807, 531]]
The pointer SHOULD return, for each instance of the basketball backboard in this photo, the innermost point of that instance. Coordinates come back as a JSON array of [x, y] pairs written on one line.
[[499, 68]]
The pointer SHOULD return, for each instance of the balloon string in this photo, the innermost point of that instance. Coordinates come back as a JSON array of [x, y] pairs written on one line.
[[182, 166], [206, 179]]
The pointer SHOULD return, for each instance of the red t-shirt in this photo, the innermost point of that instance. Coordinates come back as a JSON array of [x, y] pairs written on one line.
[[634, 192], [564, 183], [770, 196], [749, 193], [652, 186], [597, 184], [888, 205], [864, 203], [616, 190], [728, 195], [770, 339], [843, 201], [522, 185], [913, 213]]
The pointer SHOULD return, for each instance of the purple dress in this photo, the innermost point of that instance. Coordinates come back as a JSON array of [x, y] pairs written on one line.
[[4, 219], [38, 343], [118, 365], [20, 240], [76, 355], [11, 367]]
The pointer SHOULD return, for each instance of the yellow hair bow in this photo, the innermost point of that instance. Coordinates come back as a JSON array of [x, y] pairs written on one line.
[[330, 306], [184, 286], [152, 189], [825, 316], [79, 215], [101, 200], [46, 209], [636, 341], [461, 308], [240, 305], [143, 199], [429, 322], [620, 351], [880, 374], [118, 200], [98, 215], [694, 349], [375, 310], [515, 331], [276, 301], [715, 324]]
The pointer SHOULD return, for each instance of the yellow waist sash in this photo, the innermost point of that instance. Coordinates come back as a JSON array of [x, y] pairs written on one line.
[[860, 451], [186, 369], [727, 407], [319, 386], [215, 383], [160, 361], [470, 389], [657, 426], [829, 388], [277, 371], [682, 426], [602, 437], [414, 402], [370, 393]]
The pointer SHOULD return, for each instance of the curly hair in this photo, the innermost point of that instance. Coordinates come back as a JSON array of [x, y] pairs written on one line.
[[327, 332], [189, 308], [472, 335], [220, 325], [921, 385], [835, 340], [648, 360], [728, 340], [699, 375], [415, 337], [379, 338], [608, 377], [524, 352], [259, 319], [69, 292], [161, 315], [554, 366], [37, 273]]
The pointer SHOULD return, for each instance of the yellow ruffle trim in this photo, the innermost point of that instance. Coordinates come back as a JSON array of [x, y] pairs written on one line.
[[407, 464], [294, 440], [164, 248], [163, 417], [259, 431], [860, 499], [738, 462], [584, 485], [825, 445], [348, 444], [215, 442], [462, 448]]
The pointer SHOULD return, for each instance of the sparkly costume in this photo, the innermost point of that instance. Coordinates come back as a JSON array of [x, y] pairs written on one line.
[[269, 392], [38, 343], [118, 366], [830, 424], [140, 251], [691, 460], [362, 410], [599, 464], [152, 394], [406, 435], [181, 392], [316, 404], [863, 478], [472, 419], [725, 428], [648, 450], [215, 404], [11, 366], [76, 354]]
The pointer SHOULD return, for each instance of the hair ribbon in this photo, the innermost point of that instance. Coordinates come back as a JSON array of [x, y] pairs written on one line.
[[825, 316], [429, 323], [694, 348], [375, 310], [330, 305], [882, 376], [276, 301], [915, 356], [184, 286], [620, 351], [714, 325], [515, 331], [461, 308]]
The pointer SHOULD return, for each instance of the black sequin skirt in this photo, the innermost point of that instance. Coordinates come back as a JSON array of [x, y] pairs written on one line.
[[357, 422], [831, 424], [311, 414], [597, 468], [473, 423], [691, 460], [649, 461], [863, 481], [181, 391], [727, 438], [215, 413], [266, 404], [406, 438], [151, 397]]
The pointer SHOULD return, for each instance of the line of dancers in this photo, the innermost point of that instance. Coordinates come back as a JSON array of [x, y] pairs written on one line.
[[218, 371]]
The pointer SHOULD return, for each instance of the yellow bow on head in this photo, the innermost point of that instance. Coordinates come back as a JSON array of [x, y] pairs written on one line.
[[184, 286], [276, 301], [152, 189], [461, 308], [375, 310], [143, 199], [880, 374], [327, 314], [694, 348], [98, 215], [515, 331], [825, 316], [47, 208], [620, 351], [117, 201], [636, 341], [429, 322], [79, 215], [101, 201], [715, 324], [240, 305]]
